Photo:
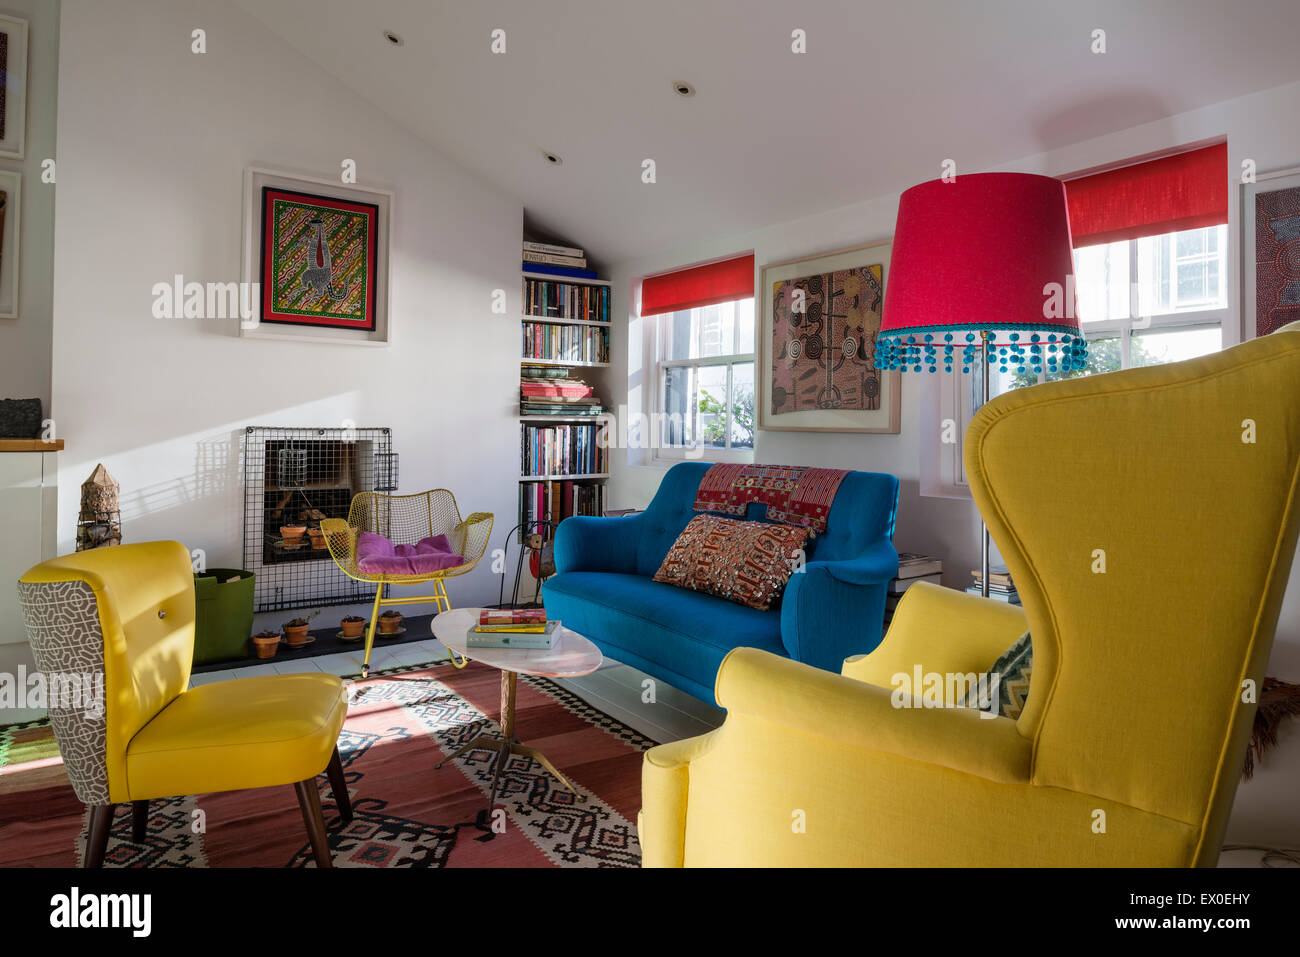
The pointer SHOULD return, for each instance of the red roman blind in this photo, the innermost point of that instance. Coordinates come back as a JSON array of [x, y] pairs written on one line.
[[1184, 191], [698, 286]]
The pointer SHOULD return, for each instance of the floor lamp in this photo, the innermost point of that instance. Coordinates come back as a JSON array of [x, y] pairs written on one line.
[[982, 271]]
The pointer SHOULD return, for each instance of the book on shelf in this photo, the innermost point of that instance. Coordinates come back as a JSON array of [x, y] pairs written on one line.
[[552, 249], [543, 372], [562, 449], [900, 585], [560, 272], [549, 259], [555, 387], [543, 640], [542, 340], [554, 501], [913, 565], [552, 299]]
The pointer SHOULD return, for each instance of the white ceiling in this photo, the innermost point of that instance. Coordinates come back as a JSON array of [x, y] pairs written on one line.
[[887, 90]]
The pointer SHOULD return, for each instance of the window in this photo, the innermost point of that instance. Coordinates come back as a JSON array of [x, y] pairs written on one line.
[[703, 377], [1141, 302]]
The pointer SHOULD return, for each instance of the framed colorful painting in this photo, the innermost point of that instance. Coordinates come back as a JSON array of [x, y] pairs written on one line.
[[1270, 252], [13, 86], [818, 323], [318, 253]]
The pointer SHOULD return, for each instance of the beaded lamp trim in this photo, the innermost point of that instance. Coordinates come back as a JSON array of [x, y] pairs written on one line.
[[1036, 348]]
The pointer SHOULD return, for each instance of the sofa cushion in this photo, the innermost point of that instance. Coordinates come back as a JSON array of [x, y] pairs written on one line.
[[648, 621], [745, 562]]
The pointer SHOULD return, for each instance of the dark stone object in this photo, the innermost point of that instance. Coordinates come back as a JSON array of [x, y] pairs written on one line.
[[20, 418]]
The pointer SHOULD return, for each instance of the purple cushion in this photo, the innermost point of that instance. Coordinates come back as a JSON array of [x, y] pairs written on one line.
[[376, 555]]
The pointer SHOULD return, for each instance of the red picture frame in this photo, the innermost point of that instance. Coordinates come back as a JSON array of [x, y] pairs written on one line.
[[319, 260]]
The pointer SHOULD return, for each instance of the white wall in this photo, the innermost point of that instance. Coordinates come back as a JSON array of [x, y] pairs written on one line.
[[153, 141], [25, 341], [1259, 127]]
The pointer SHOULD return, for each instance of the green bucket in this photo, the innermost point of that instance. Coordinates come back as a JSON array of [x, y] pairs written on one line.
[[223, 620]]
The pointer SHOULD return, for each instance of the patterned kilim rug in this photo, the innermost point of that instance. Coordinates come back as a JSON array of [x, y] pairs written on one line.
[[406, 813]]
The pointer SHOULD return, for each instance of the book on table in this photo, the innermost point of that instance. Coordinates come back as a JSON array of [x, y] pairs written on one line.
[[900, 585], [490, 637]]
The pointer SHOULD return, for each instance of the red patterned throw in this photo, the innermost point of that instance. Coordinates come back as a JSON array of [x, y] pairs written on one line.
[[745, 562], [793, 494]]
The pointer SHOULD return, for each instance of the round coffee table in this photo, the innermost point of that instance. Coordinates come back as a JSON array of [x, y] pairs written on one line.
[[572, 655]]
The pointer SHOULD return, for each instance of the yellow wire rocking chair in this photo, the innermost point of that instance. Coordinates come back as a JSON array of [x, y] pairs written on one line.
[[404, 520]]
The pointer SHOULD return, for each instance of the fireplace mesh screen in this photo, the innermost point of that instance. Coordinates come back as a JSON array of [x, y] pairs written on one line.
[[294, 478]]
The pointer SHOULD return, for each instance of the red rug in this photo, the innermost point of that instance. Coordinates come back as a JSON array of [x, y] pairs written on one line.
[[406, 813]]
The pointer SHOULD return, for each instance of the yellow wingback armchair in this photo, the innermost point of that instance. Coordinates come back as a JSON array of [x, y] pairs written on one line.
[[1149, 519], [123, 617]]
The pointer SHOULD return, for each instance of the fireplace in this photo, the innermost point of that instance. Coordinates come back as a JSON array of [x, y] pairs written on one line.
[[294, 478]]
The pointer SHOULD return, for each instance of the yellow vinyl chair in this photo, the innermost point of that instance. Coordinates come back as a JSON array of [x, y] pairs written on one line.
[[1149, 519], [404, 520], [125, 616]]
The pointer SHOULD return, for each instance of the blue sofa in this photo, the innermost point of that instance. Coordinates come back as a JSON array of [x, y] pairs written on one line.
[[604, 588]]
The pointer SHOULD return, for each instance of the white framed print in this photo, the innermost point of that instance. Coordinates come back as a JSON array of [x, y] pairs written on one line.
[[316, 252], [1270, 252], [11, 184], [13, 86], [817, 325]]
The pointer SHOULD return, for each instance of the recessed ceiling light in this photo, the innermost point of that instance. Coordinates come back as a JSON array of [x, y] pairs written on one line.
[[551, 158], [682, 88], [393, 38]]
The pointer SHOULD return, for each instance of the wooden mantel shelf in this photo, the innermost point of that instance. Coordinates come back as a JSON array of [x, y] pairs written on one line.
[[30, 445]]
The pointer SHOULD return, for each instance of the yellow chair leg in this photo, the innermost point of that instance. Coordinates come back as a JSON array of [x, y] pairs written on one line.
[[370, 632]]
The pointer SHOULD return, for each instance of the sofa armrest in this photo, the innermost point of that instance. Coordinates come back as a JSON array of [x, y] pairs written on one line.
[[585, 543], [834, 609], [665, 789], [940, 630]]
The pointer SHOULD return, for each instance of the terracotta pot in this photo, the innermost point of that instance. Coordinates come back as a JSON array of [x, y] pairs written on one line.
[[266, 645], [292, 534], [389, 624], [295, 636], [353, 629], [317, 537]]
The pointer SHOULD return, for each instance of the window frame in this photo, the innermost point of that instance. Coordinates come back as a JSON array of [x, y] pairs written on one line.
[[654, 345], [958, 403]]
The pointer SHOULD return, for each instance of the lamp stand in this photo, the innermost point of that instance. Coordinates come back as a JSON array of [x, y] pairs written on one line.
[[985, 361]]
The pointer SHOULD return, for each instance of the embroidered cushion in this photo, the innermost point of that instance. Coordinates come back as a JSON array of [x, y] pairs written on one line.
[[1011, 672], [745, 562], [376, 555]]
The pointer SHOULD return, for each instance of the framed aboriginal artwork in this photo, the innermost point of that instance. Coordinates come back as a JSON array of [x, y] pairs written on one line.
[[1270, 252], [318, 254], [819, 319]]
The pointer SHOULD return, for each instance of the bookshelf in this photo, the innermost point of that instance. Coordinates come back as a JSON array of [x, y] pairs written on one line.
[[564, 352]]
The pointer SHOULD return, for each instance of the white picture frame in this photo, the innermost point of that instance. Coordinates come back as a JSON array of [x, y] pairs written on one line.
[[14, 67], [258, 177], [11, 183], [1264, 183], [887, 419]]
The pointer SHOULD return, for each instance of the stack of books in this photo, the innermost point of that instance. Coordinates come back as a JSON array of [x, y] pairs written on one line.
[[557, 395], [513, 628], [1000, 585], [912, 568], [554, 260]]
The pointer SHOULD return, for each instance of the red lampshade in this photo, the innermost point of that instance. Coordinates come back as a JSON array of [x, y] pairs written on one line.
[[982, 253]]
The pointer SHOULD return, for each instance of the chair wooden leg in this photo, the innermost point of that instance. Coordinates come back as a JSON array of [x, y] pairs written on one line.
[[339, 785], [139, 821], [309, 801], [101, 819]]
